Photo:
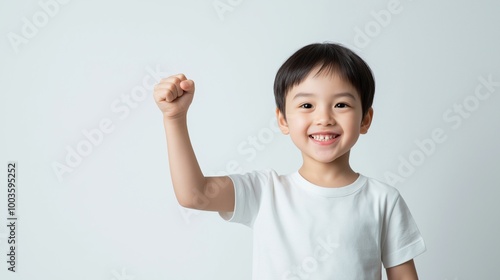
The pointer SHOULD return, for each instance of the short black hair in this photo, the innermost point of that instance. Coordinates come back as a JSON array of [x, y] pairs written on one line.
[[331, 57]]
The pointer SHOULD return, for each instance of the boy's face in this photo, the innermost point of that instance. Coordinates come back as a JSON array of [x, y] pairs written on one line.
[[324, 117]]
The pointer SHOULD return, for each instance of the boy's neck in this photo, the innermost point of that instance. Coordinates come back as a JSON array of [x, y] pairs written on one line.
[[334, 174]]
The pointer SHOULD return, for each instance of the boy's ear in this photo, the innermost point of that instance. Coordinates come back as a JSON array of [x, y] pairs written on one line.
[[282, 122], [366, 122]]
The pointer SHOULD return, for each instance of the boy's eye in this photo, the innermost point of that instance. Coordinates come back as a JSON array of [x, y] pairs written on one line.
[[341, 105], [306, 106]]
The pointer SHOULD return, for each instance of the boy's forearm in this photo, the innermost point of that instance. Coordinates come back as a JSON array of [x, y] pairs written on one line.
[[187, 177]]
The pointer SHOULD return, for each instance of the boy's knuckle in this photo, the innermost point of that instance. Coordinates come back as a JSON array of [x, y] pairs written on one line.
[[169, 87], [175, 80]]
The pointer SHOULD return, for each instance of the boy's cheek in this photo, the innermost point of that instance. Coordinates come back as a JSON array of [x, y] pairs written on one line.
[[293, 121]]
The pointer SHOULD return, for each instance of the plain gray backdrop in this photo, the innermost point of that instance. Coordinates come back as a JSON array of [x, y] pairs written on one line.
[[95, 200]]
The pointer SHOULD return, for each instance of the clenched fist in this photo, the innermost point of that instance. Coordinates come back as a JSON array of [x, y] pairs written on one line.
[[173, 95]]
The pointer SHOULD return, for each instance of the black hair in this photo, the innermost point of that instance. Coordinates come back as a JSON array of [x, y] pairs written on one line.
[[331, 57]]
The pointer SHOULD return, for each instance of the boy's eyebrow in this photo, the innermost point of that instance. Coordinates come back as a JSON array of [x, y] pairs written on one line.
[[340, 94]]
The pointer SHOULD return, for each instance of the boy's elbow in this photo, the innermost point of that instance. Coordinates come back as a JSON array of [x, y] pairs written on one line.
[[186, 201], [191, 200]]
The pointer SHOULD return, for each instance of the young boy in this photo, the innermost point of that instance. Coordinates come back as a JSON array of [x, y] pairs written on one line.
[[324, 221]]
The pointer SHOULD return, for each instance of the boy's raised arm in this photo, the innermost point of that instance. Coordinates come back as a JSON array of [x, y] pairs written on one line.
[[173, 95]]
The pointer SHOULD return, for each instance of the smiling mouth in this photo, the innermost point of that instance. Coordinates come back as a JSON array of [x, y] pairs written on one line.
[[323, 137]]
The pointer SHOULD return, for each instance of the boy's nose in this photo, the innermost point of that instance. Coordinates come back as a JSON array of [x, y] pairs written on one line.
[[325, 118]]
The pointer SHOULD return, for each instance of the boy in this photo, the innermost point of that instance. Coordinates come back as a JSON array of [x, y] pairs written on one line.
[[324, 221]]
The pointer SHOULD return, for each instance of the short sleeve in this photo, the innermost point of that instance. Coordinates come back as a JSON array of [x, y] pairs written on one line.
[[247, 197], [402, 240]]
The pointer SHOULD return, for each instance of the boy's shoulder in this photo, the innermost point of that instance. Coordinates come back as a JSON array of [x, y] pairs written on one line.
[[381, 188], [380, 185]]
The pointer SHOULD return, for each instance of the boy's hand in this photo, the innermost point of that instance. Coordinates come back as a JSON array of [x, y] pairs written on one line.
[[173, 95]]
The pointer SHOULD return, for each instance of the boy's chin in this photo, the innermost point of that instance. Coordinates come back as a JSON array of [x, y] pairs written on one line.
[[325, 159]]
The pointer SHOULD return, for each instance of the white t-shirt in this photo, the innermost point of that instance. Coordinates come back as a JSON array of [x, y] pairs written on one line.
[[304, 231]]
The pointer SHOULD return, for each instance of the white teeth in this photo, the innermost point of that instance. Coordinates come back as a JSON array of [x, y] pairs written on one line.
[[320, 137]]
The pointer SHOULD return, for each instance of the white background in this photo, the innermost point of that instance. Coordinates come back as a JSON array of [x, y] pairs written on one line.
[[66, 68]]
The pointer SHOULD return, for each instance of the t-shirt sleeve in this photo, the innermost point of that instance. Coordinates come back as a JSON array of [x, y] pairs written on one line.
[[402, 240], [248, 189]]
